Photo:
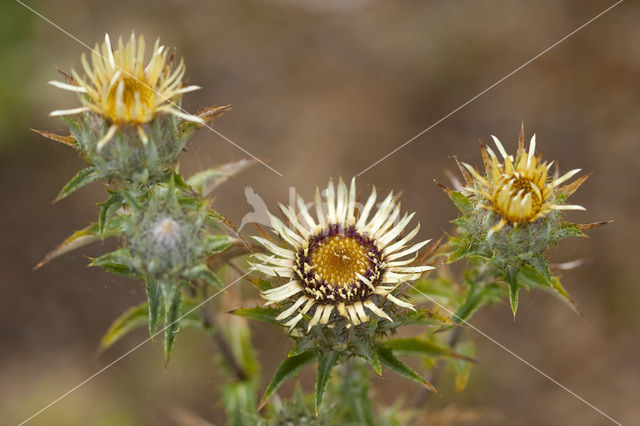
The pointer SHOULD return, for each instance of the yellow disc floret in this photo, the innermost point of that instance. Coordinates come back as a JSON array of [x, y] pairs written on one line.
[[338, 260], [520, 190]]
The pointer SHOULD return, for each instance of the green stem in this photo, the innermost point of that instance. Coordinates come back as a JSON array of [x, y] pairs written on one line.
[[354, 391], [211, 324]]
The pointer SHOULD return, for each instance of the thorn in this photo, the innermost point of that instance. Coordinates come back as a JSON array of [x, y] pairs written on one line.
[[446, 189], [521, 139], [212, 112], [66, 76], [588, 226], [467, 177], [67, 140]]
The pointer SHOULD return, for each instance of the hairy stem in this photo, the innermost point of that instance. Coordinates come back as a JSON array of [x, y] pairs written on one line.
[[211, 324]]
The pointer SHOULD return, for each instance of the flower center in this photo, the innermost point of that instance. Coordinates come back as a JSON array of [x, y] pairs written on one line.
[[331, 264], [517, 198], [338, 259], [166, 232], [137, 100]]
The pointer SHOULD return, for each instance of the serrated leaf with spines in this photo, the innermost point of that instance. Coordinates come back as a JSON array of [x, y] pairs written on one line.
[[205, 274], [559, 289], [418, 346], [78, 239], [132, 318], [82, 178], [476, 297], [154, 300], [107, 208], [303, 344], [259, 314], [287, 369], [116, 262], [370, 354], [530, 276], [171, 299], [388, 359], [461, 201], [514, 288], [214, 244], [326, 362]]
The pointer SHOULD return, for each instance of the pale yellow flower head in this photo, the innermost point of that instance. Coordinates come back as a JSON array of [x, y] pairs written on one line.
[[519, 189], [344, 263], [121, 88]]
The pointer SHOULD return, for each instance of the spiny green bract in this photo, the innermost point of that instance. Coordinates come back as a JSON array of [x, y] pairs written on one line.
[[166, 238], [339, 342], [126, 157], [516, 255]]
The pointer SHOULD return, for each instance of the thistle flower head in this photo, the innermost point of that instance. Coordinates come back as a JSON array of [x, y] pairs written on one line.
[[519, 189], [343, 263], [164, 237], [119, 87], [511, 215]]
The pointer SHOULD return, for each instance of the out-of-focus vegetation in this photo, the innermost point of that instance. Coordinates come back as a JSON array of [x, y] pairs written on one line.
[[324, 89]]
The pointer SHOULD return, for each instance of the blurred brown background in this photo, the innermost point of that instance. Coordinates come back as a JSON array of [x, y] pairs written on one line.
[[326, 88]]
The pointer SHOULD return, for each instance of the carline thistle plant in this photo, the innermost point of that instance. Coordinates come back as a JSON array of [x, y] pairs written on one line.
[[512, 214], [343, 281], [130, 126], [130, 130], [340, 278]]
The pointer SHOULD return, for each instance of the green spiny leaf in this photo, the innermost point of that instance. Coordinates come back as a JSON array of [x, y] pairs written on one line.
[[287, 369], [559, 289], [529, 276], [108, 208], [259, 314], [476, 297], [400, 368], [416, 346], [132, 318], [154, 297], [326, 362], [203, 272], [177, 180], [461, 201], [172, 295], [568, 230], [82, 178], [78, 239], [368, 351], [514, 288], [303, 344], [115, 262], [131, 200], [213, 244]]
